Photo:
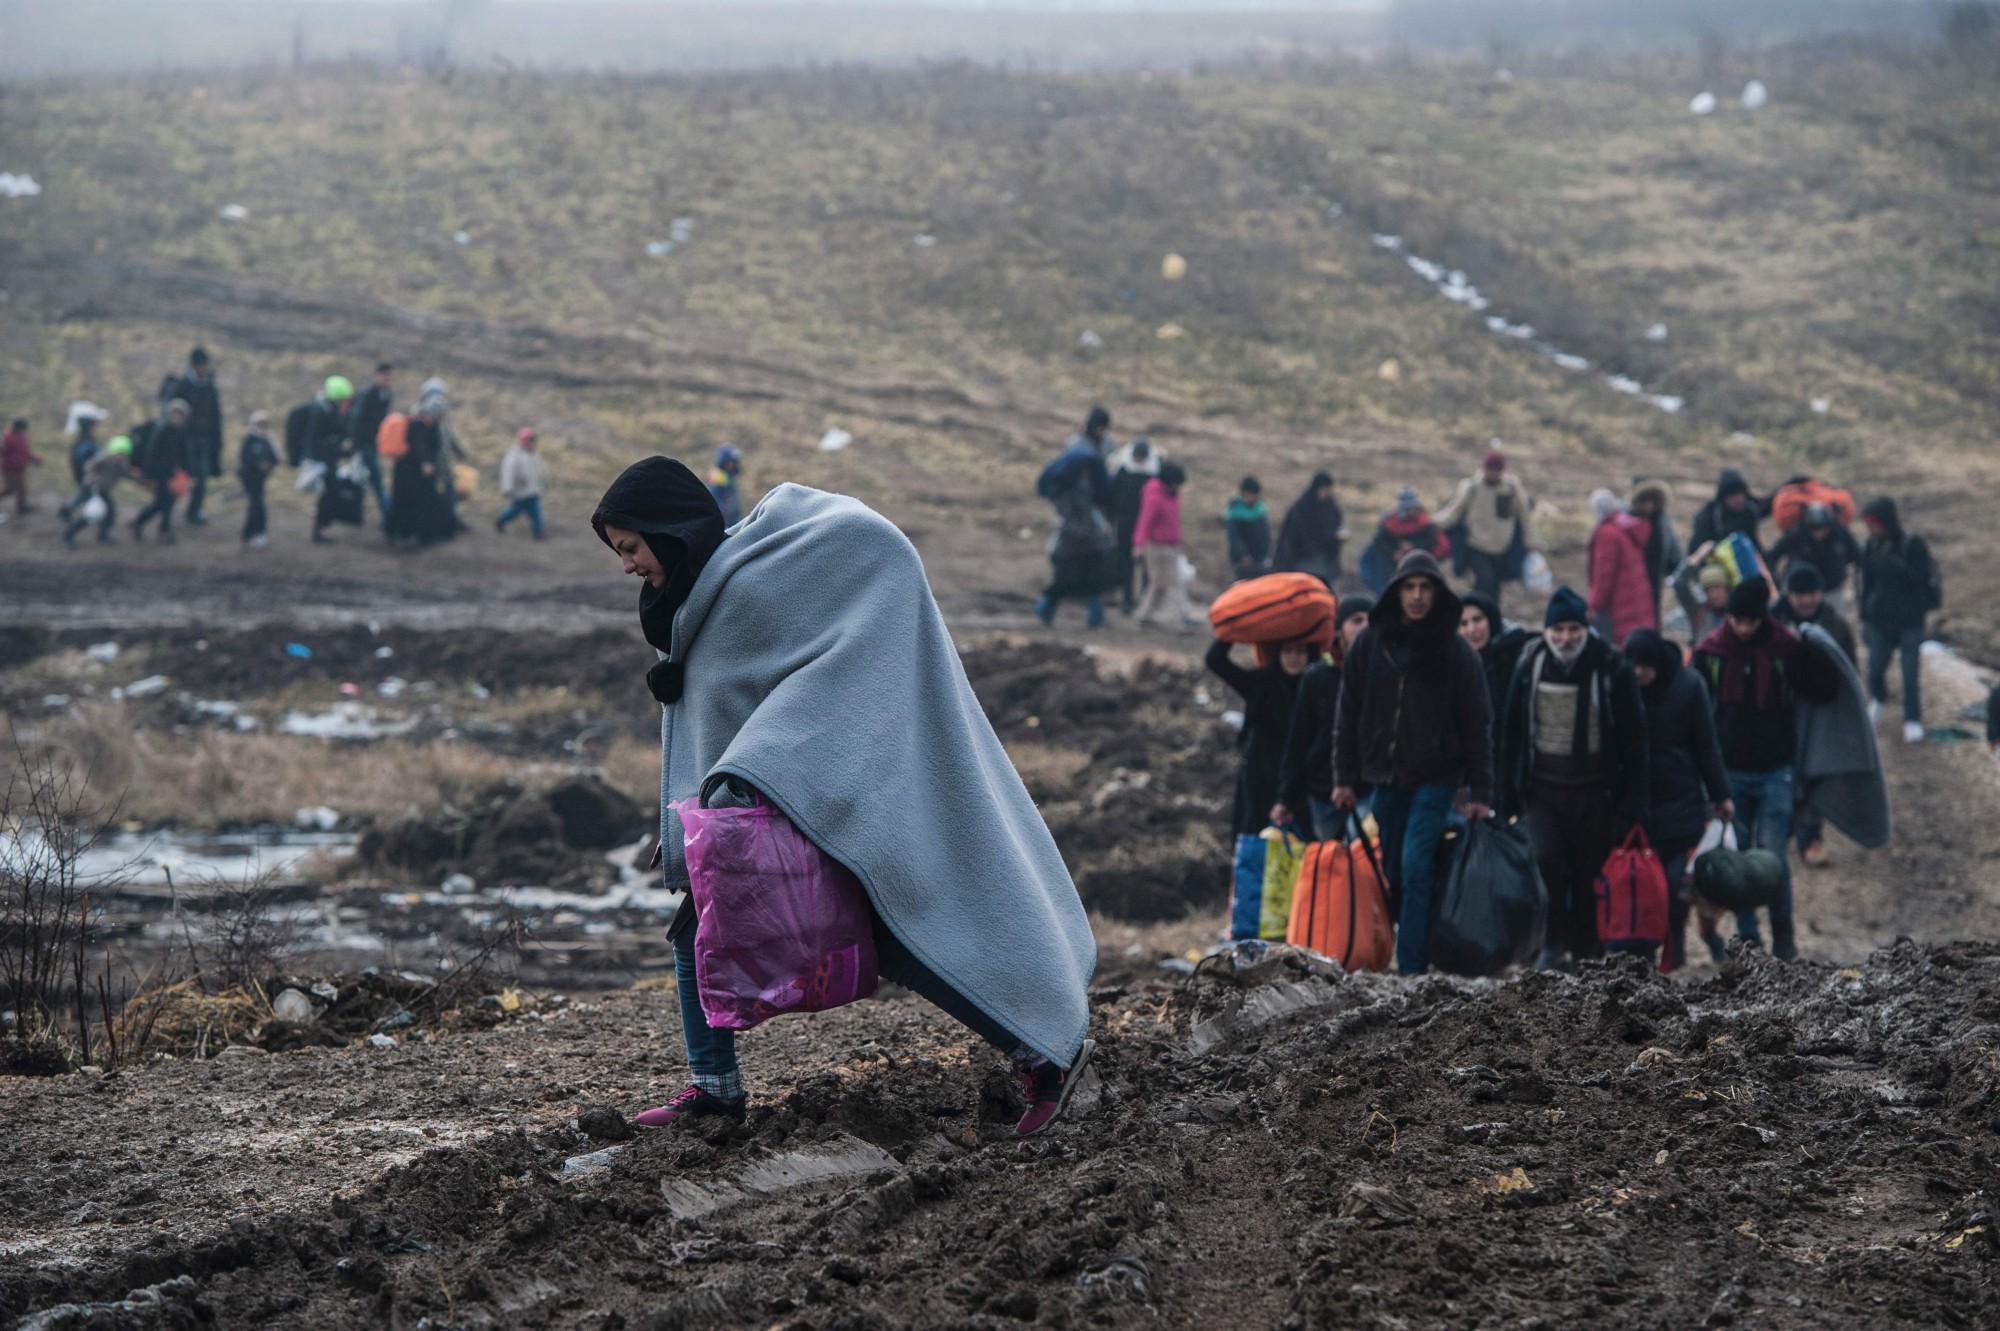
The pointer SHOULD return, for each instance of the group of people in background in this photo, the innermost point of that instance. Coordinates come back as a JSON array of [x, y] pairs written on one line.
[[347, 447], [1681, 685]]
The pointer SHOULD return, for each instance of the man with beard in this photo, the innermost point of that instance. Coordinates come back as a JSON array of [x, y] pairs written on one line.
[[1573, 762], [1415, 723]]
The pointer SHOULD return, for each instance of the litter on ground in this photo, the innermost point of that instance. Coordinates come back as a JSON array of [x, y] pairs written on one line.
[[1755, 95], [234, 212], [1703, 104], [18, 187], [834, 440]]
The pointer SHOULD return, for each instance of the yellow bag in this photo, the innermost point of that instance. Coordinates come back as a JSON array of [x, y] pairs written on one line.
[[1283, 853], [465, 481]]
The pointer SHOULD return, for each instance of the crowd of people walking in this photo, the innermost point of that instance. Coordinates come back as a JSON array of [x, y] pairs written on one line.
[[1681, 686]]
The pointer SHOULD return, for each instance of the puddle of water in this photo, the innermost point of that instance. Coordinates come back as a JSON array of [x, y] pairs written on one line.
[[144, 860]]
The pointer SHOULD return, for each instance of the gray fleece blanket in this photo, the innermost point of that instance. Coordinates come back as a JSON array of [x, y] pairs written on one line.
[[819, 670], [1838, 768]]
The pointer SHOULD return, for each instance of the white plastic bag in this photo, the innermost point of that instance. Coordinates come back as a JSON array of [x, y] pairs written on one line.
[[312, 476], [1536, 574], [353, 469], [94, 509], [1184, 570], [1717, 833]]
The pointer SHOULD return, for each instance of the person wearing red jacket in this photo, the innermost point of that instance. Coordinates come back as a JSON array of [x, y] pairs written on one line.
[[1404, 529], [16, 456], [1158, 542], [1621, 587]]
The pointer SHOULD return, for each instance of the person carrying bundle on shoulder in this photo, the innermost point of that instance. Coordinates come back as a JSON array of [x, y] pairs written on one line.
[[1305, 773]]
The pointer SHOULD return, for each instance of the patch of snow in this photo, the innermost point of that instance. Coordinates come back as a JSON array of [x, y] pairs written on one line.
[[1703, 104], [18, 187], [344, 720], [834, 440], [235, 212], [1755, 95]]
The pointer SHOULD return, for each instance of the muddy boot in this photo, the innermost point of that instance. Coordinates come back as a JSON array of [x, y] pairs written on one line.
[[1783, 946], [694, 1102], [1047, 1090], [1554, 959]]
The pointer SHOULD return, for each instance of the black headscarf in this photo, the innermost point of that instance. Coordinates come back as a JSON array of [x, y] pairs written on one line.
[[672, 509], [1648, 648]]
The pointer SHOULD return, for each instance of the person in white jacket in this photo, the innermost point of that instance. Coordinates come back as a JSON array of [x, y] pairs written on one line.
[[522, 480]]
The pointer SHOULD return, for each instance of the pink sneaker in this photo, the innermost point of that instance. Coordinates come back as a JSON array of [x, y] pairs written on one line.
[[694, 1102], [1047, 1089]]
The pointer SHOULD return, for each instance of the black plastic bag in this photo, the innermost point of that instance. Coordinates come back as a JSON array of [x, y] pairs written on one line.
[[1493, 910], [341, 501]]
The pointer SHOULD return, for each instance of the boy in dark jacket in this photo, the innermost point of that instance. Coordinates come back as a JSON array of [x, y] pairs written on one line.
[[256, 459], [1573, 763], [1416, 723], [1305, 774], [1249, 529], [196, 387], [165, 454], [1269, 695], [1756, 670], [1687, 781], [1899, 589]]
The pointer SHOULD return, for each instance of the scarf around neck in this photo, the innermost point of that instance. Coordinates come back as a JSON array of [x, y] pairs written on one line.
[[670, 508]]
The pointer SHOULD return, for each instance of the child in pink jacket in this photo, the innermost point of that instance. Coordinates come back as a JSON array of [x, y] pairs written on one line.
[[1157, 541]]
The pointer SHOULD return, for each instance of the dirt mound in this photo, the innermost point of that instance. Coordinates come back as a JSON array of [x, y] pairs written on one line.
[[1133, 771], [1268, 1144], [506, 835]]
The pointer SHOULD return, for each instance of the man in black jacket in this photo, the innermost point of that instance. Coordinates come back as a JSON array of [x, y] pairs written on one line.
[[1416, 723], [165, 453], [328, 443], [196, 388], [1756, 670], [1899, 589], [1305, 774], [1734, 509], [1819, 542], [1573, 762], [370, 410]]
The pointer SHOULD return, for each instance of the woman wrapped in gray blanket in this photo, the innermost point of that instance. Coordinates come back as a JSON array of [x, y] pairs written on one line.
[[804, 663]]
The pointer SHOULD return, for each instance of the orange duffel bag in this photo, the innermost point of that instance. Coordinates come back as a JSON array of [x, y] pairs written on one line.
[[392, 437], [1278, 607], [1789, 505], [1340, 907]]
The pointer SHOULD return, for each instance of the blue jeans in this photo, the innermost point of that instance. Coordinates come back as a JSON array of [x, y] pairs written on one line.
[[1093, 613], [373, 462], [1246, 904], [530, 505], [1764, 805], [711, 1053], [1412, 823], [1907, 643]]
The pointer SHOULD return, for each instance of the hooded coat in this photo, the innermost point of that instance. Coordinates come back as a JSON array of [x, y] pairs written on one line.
[[1502, 651], [1269, 698], [1309, 538], [1413, 703], [1622, 590], [1897, 574], [816, 668], [1714, 521], [1684, 758]]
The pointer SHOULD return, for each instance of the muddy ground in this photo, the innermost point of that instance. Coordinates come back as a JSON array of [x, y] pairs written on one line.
[[1771, 1146]]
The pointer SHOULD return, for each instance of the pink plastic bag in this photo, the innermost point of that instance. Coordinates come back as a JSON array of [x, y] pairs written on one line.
[[779, 925]]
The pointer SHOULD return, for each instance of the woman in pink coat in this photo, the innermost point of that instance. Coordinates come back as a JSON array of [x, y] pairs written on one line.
[[1621, 590], [1158, 544]]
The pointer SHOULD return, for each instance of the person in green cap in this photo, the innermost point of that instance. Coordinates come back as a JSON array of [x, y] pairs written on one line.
[[328, 443], [100, 477]]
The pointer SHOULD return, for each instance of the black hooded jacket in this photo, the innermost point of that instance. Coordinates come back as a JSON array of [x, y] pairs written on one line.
[[1501, 653], [1897, 574], [1605, 682], [204, 423], [672, 510], [1269, 695], [1414, 709], [368, 413], [1684, 757], [1713, 521], [1310, 532], [1306, 771]]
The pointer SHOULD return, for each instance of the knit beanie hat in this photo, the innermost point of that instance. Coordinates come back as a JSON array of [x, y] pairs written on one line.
[[1566, 607], [1751, 599], [1804, 578], [1350, 606]]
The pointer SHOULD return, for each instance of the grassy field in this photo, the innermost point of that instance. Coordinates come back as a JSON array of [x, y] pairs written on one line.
[[915, 256]]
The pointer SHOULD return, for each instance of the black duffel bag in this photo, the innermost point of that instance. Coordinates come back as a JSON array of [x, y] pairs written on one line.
[[1739, 879], [1492, 911]]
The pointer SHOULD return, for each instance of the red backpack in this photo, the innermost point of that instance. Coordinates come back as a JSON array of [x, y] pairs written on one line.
[[1632, 894]]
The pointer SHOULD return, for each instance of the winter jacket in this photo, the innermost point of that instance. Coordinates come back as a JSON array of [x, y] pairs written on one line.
[[1159, 516], [1127, 495], [1493, 515], [1249, 529], [105, 471], [1684, 757], [367, 414], [1305, 773], [1413, 704], [165, 452], [722, 489], [1828, 618], [204, 422], [81, 453], [327, 438], [522, 477], [256, 459], [1897, 574], [1755, 683], [1607, 703], [1269, 695], [1498, 658], [1621, 589], [16, 454], [1309, 538], [1833, 555], [1714, 520], [1392, 535]]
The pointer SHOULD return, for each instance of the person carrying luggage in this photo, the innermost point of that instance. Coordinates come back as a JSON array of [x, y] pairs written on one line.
[[1415, 722], [1573, 766], [1081, 552], [1756, 670], [1310, 538], [1247, 524], [1270, 693], [164, 465], [256, 459], [329, 442], [195, 386], [1130, 467], [1818, 542], [799, 655], [100, 481], [1305, 772], [1899, 588], [1733, 510], [1490, 523]]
